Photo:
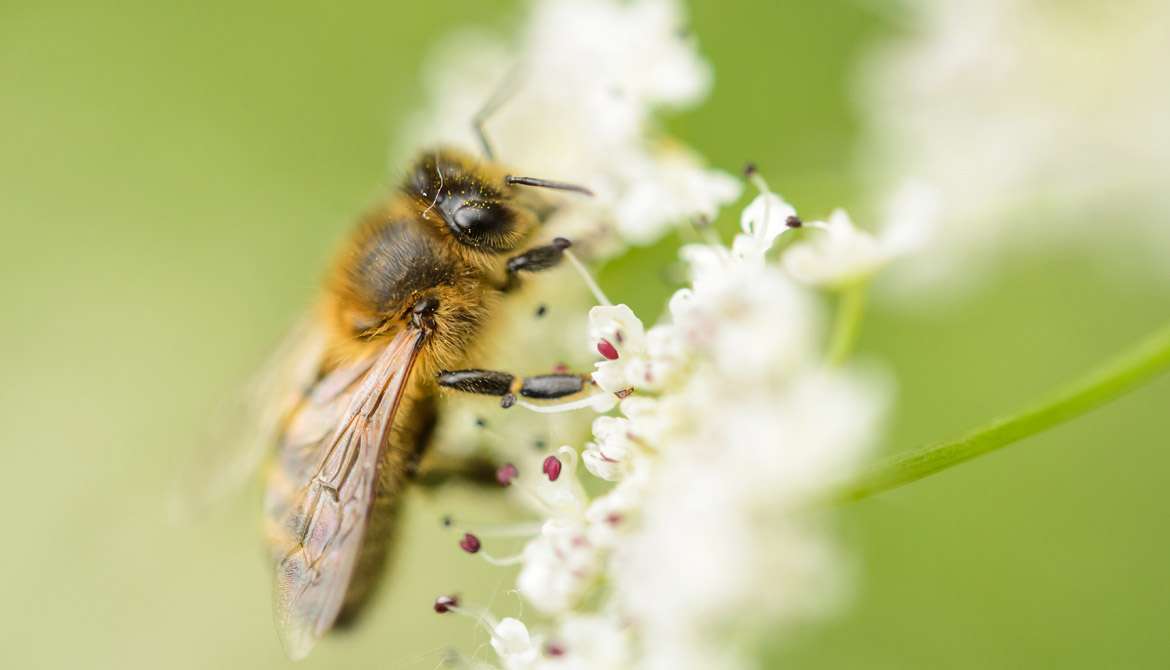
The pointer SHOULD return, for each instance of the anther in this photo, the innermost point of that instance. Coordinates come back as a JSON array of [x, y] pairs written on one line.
[[606, 349], [750, 169], [554, 649], [506, 474], [552, 468], [444, 604], [469, 543], [624, 393], [793, 221]]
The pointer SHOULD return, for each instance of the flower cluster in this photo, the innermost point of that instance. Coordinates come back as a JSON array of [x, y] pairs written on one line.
[[691, 512], [1035, 122], [730, 428]]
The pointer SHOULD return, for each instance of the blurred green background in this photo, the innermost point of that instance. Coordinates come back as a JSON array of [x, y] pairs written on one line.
[[173, 177]]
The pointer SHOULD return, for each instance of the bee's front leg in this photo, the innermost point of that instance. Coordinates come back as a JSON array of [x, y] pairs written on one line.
[[536, 259], [507, 386]]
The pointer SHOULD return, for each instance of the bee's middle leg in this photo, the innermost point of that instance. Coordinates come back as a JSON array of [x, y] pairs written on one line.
[[508, 386]]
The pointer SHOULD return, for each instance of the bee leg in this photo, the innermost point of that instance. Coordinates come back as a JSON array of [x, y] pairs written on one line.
[[539, 258], [438, 468], [507, 386]]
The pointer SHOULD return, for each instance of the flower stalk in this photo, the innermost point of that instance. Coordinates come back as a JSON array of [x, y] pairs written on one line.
[[847, 322], [1129, 371]]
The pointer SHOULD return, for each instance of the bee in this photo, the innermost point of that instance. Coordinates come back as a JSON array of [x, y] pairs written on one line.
[[414, 286]]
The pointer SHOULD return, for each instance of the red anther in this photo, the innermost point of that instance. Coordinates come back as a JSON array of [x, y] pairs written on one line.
[[606, 349], [561, 368], [554, 649], [443, 604], [552, 468], [506, 474], [793, 221], [624, 393], [469, 543], [613, 518]]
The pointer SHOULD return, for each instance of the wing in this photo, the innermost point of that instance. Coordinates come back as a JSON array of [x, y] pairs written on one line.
[[321, 492], [244, 429]]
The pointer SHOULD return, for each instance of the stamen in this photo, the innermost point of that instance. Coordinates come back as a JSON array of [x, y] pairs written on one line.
[[554, 649], [470, 543], [793, 221], [591, 401], [524, 530], [506, 474], [504, 562], [598, 294], [752, 173], [552, 468], [444, 604], [606, 349]]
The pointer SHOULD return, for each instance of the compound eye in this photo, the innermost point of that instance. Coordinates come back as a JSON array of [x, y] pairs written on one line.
[[482, 224]]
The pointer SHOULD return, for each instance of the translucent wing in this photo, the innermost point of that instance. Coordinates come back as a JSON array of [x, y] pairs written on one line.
[[244, 430], [321, 491]]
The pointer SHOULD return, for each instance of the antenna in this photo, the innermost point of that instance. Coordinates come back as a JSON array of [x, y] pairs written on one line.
[[545, 183]]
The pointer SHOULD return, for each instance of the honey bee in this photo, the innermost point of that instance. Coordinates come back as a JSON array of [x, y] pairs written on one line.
[[413, 286]]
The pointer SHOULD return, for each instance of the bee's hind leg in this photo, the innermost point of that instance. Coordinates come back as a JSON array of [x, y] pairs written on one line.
[[438, 468], [508, 386]]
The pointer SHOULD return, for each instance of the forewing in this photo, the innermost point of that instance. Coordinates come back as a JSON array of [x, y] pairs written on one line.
[[330, 474], [246, 427]]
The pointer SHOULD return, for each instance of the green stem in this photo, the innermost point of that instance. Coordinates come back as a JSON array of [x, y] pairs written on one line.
[[1129, 371], [847, 322]]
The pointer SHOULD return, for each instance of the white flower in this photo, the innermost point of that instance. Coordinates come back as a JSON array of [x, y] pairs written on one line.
[[765, 219], [560, 496], [669, 189], [610, 515], [836, 253], [610, 456], [750, 323], [619, 337], [593, 643], [515, 647], [558, 565]]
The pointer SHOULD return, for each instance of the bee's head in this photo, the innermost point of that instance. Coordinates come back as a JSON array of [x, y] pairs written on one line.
[[470, 201]]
